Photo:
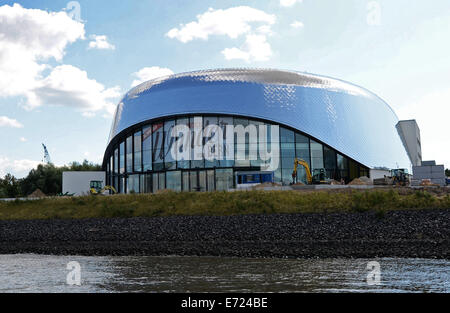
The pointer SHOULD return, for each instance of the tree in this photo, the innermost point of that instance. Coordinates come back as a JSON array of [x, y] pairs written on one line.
[[46, 177], [9, 186], [85, 166], [447, 172]]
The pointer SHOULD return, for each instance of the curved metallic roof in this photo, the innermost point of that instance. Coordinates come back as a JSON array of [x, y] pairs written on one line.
[[260, 76], [344, 116]]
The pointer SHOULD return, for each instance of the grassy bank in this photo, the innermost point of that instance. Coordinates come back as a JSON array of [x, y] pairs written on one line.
[[224, 203]]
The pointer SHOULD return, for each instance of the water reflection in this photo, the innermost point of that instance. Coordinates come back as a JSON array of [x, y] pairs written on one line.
[[36, 273]]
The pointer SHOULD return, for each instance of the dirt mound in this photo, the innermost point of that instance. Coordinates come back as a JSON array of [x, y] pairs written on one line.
[[37, 194], [357, 181]]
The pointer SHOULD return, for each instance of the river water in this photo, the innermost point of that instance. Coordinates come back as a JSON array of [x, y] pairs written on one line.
[[42, 273]]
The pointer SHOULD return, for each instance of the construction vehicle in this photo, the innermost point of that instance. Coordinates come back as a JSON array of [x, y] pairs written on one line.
[[319, 175], [96, 188], [398, 177]]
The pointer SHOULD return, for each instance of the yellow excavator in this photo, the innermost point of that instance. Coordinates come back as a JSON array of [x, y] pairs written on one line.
[[298, 162], [96, 188], [318, 177]]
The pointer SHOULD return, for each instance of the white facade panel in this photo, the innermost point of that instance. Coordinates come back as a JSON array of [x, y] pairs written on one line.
[[78, 183]]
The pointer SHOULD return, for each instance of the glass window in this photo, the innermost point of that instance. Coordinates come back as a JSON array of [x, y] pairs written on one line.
[[277, 175], [316, 155], [210, 120], [137, 151], [133, 183], [302, 147], [287, 162], [241, 156], [342, 164], [224, 179], [186, 181], [169, 141], [183, 163], [122, 157], [330, 162], [147, 148], [116, 161], [155, 182], [210, 180], [198, 181], [194, 184], [302, 153], [286, 135], [122, 184], [146, 183], [227, 142], [129, 151], [260, 137], [173, 180], [354, 172], [158, 146], [196, 141], [162, 180], [159, 181]]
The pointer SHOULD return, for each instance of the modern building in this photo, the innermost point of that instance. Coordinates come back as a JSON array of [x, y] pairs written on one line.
[[410, 134], [214, 129]]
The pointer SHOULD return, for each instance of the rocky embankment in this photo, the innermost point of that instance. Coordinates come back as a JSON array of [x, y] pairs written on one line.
[[424, 234]]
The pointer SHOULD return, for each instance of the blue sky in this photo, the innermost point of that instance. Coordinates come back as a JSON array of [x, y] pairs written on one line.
[[63, 72]]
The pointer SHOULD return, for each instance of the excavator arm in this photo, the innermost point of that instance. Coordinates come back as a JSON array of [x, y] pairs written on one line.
[[95, 192], [303, 163]]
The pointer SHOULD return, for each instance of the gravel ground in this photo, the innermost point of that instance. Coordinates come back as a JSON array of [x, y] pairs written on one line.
[[424, 234]]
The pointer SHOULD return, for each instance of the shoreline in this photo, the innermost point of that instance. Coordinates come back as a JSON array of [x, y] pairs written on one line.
[[402, 233]]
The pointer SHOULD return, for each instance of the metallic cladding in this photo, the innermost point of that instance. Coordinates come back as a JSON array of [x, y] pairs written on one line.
[[346, 117]]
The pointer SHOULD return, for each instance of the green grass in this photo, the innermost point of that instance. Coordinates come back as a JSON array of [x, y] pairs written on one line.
[[224, 203]]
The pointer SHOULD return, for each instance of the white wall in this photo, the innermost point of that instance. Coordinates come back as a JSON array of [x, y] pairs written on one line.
[[374, 174], [78, 183]]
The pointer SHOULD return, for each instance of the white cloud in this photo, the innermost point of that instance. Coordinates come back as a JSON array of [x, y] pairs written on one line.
[[23, 139], [255, 48], [69, 86], [233, 23], [148, 73], [18, 168], [434, 135], [100, 42], [289, 3], [297, 24], [9, 122], [29, 38]]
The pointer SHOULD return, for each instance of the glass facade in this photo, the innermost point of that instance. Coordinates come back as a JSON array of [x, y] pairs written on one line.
[[346, 117], [143, 161]]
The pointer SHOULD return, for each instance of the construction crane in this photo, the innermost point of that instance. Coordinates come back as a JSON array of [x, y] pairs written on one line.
[[46, 155]]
